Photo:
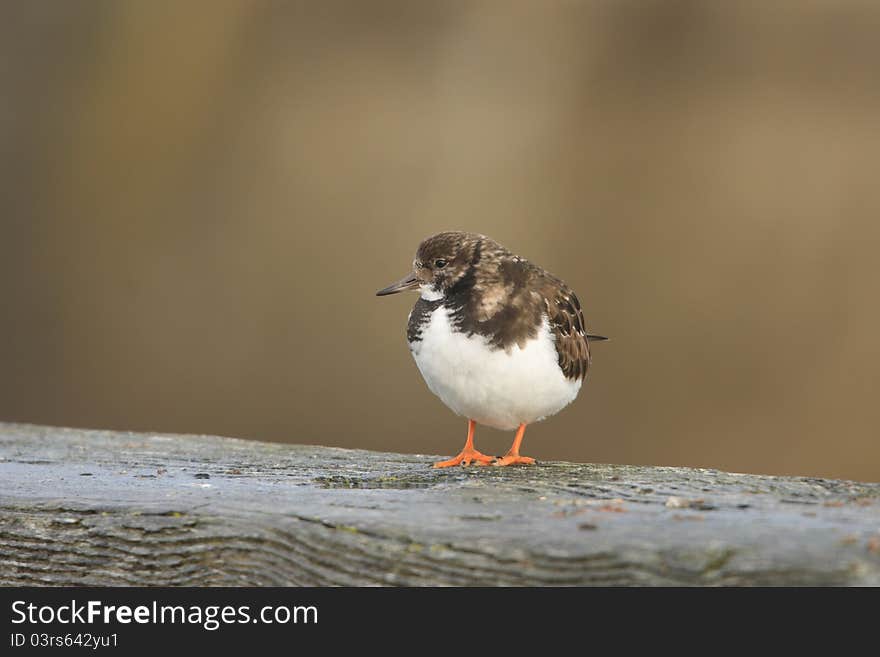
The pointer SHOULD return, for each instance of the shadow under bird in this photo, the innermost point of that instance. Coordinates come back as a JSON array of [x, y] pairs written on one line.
[[500, 340]]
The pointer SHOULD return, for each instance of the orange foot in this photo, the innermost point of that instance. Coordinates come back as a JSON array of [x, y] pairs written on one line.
[[514, 459], [466, 457]]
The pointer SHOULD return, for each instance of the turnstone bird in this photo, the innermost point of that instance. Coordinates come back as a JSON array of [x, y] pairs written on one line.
[[501, 341]]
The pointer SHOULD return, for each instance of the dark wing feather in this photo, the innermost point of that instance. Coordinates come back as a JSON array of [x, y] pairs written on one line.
[[567, 323]]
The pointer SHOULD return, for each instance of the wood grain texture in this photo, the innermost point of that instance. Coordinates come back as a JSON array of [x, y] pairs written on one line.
[[107, 508]]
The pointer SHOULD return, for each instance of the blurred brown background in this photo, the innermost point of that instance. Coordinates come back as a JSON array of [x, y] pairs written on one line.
[[198, 201]]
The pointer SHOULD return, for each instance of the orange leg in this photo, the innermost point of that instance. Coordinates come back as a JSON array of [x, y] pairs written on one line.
[[468, 454], [512, 457]]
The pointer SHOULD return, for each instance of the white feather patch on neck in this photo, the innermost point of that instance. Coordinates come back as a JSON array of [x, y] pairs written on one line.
[[429, 293]]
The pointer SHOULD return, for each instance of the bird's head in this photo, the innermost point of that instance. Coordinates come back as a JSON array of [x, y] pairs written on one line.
[[441, 261]]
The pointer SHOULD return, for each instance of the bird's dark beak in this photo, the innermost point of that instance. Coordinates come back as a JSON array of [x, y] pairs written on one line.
[[408, 282]]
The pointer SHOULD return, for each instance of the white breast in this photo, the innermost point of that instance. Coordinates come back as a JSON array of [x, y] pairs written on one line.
[[498, 388]]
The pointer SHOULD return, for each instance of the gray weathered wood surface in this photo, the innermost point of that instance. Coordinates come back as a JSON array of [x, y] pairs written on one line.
[[102, 508]]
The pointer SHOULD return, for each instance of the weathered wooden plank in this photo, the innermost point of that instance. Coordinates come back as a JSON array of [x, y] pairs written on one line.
[[106, 508]]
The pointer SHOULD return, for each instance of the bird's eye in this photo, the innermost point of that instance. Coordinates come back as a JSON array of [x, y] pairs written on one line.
[[440, 263]]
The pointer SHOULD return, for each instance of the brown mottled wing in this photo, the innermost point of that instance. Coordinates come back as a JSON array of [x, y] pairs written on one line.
[[568, 326]]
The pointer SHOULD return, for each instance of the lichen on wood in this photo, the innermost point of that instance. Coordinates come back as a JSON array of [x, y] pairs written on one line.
[[82, 507]]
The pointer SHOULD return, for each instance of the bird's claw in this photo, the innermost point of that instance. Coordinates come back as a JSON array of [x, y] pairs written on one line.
[[513, 459], [466, 458]]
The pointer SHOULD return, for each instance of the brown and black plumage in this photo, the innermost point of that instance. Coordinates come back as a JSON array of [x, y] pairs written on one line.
[[485, 316]]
